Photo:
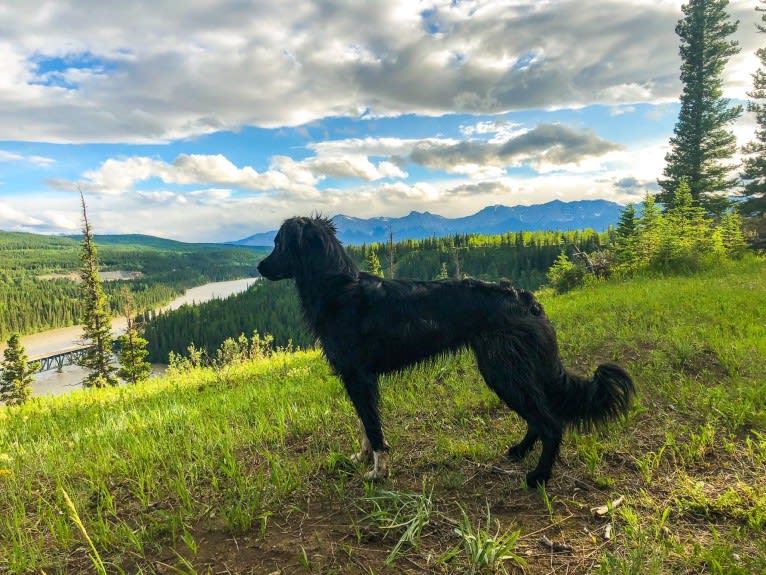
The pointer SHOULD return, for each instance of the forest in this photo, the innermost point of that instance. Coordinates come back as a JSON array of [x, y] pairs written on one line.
[[523, 258], [165, 270]]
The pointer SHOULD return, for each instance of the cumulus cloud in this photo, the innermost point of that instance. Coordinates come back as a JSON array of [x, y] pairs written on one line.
[[11, 218], [550, 144], [186, 69], [353, 166], [117, 176]]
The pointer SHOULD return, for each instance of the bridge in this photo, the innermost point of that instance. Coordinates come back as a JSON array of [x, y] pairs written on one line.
[[66, 356], [61, 358]]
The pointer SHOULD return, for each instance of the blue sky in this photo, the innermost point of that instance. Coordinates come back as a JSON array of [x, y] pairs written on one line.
[[211, 120]]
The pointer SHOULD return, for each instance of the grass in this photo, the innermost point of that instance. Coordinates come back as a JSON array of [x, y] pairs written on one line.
[[246, 469]]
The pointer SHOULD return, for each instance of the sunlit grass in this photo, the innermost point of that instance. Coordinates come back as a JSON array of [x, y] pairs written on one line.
[[257, 450]]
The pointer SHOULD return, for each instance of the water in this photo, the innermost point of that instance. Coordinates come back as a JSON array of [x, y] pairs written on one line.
[[55, 382]]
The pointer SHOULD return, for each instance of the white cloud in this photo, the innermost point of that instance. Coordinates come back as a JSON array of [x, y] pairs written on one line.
[[42, 161], [11, 218], [545, 147], [118, 176], [187, 69]]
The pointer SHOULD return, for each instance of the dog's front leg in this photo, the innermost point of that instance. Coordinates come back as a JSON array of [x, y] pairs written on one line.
[[364, 455], [363, 392]]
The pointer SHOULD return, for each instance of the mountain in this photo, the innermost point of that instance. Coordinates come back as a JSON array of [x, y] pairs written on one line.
[[555, 215]]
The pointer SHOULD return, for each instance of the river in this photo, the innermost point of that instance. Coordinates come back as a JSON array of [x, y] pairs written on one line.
[[45, 343]]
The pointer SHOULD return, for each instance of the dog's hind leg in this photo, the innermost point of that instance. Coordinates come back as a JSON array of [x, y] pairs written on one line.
[[550, 435], [364, 395], [509, 371], [519, 451]]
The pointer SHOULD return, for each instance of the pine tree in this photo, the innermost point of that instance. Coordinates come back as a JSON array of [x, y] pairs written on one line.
[[97, 325], [732, 238], [373, 264], [17, 372], [133, 365], [626, 244], [649, 230], [754, 152], [702, 146], [687, 229]]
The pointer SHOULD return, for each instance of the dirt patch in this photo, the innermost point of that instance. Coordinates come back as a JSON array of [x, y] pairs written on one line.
[[319, 531]]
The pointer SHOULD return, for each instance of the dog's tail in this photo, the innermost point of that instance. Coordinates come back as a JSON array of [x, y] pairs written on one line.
[[589, 401]]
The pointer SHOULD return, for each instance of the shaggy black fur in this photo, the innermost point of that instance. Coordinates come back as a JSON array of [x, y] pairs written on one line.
[[369, 326]]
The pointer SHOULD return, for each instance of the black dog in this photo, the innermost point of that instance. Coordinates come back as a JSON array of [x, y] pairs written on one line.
[[369, 326]]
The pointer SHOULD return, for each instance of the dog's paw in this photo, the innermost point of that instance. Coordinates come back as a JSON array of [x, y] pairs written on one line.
[[380, 467], [364, 457], [537, 478], [375, 476]]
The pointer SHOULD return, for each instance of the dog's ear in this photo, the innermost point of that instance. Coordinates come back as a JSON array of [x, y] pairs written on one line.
[[293, 235], [312, 237]]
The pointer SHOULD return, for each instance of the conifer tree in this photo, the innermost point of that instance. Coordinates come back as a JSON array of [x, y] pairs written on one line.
[[626, 245], [702, 145], [687, 230], [732, 238], [17, 372], [754, 152], [133, 348], [373, 264], [649, 229], [97, 324]]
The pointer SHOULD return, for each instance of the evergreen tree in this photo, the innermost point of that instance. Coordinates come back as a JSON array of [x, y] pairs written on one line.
[[702, 146], [626, 244], [732, 238], [754, 152], [97, 324], [133, 365], [373, 264], [649, 229], [687, 232], [17, 372], [565, 275]]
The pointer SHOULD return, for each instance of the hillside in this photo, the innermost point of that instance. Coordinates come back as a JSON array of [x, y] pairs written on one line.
[[492, 220], [36, 273], [245, 469]]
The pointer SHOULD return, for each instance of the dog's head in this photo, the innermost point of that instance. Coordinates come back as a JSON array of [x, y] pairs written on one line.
[[303, 246]]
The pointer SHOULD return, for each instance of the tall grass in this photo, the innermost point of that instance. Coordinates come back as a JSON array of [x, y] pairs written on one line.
[[163, 473]]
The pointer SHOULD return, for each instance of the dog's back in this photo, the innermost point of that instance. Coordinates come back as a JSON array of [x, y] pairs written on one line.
[[401, 322]]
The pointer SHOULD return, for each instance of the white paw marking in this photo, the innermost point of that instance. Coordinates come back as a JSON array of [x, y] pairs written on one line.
[[380, 467]]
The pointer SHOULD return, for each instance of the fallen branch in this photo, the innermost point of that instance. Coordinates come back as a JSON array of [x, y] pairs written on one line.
[[556, 547]]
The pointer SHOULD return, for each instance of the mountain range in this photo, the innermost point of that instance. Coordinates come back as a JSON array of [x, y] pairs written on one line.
[[492, 220]]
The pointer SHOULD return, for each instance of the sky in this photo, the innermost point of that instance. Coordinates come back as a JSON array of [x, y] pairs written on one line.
[[211, 120]]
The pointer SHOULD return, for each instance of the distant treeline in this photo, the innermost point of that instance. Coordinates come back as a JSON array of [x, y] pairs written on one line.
[[266, 307], [521, 257], [29, 303], [272, 307]]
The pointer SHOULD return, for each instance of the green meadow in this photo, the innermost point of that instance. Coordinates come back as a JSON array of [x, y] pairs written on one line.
[[245, 468]]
